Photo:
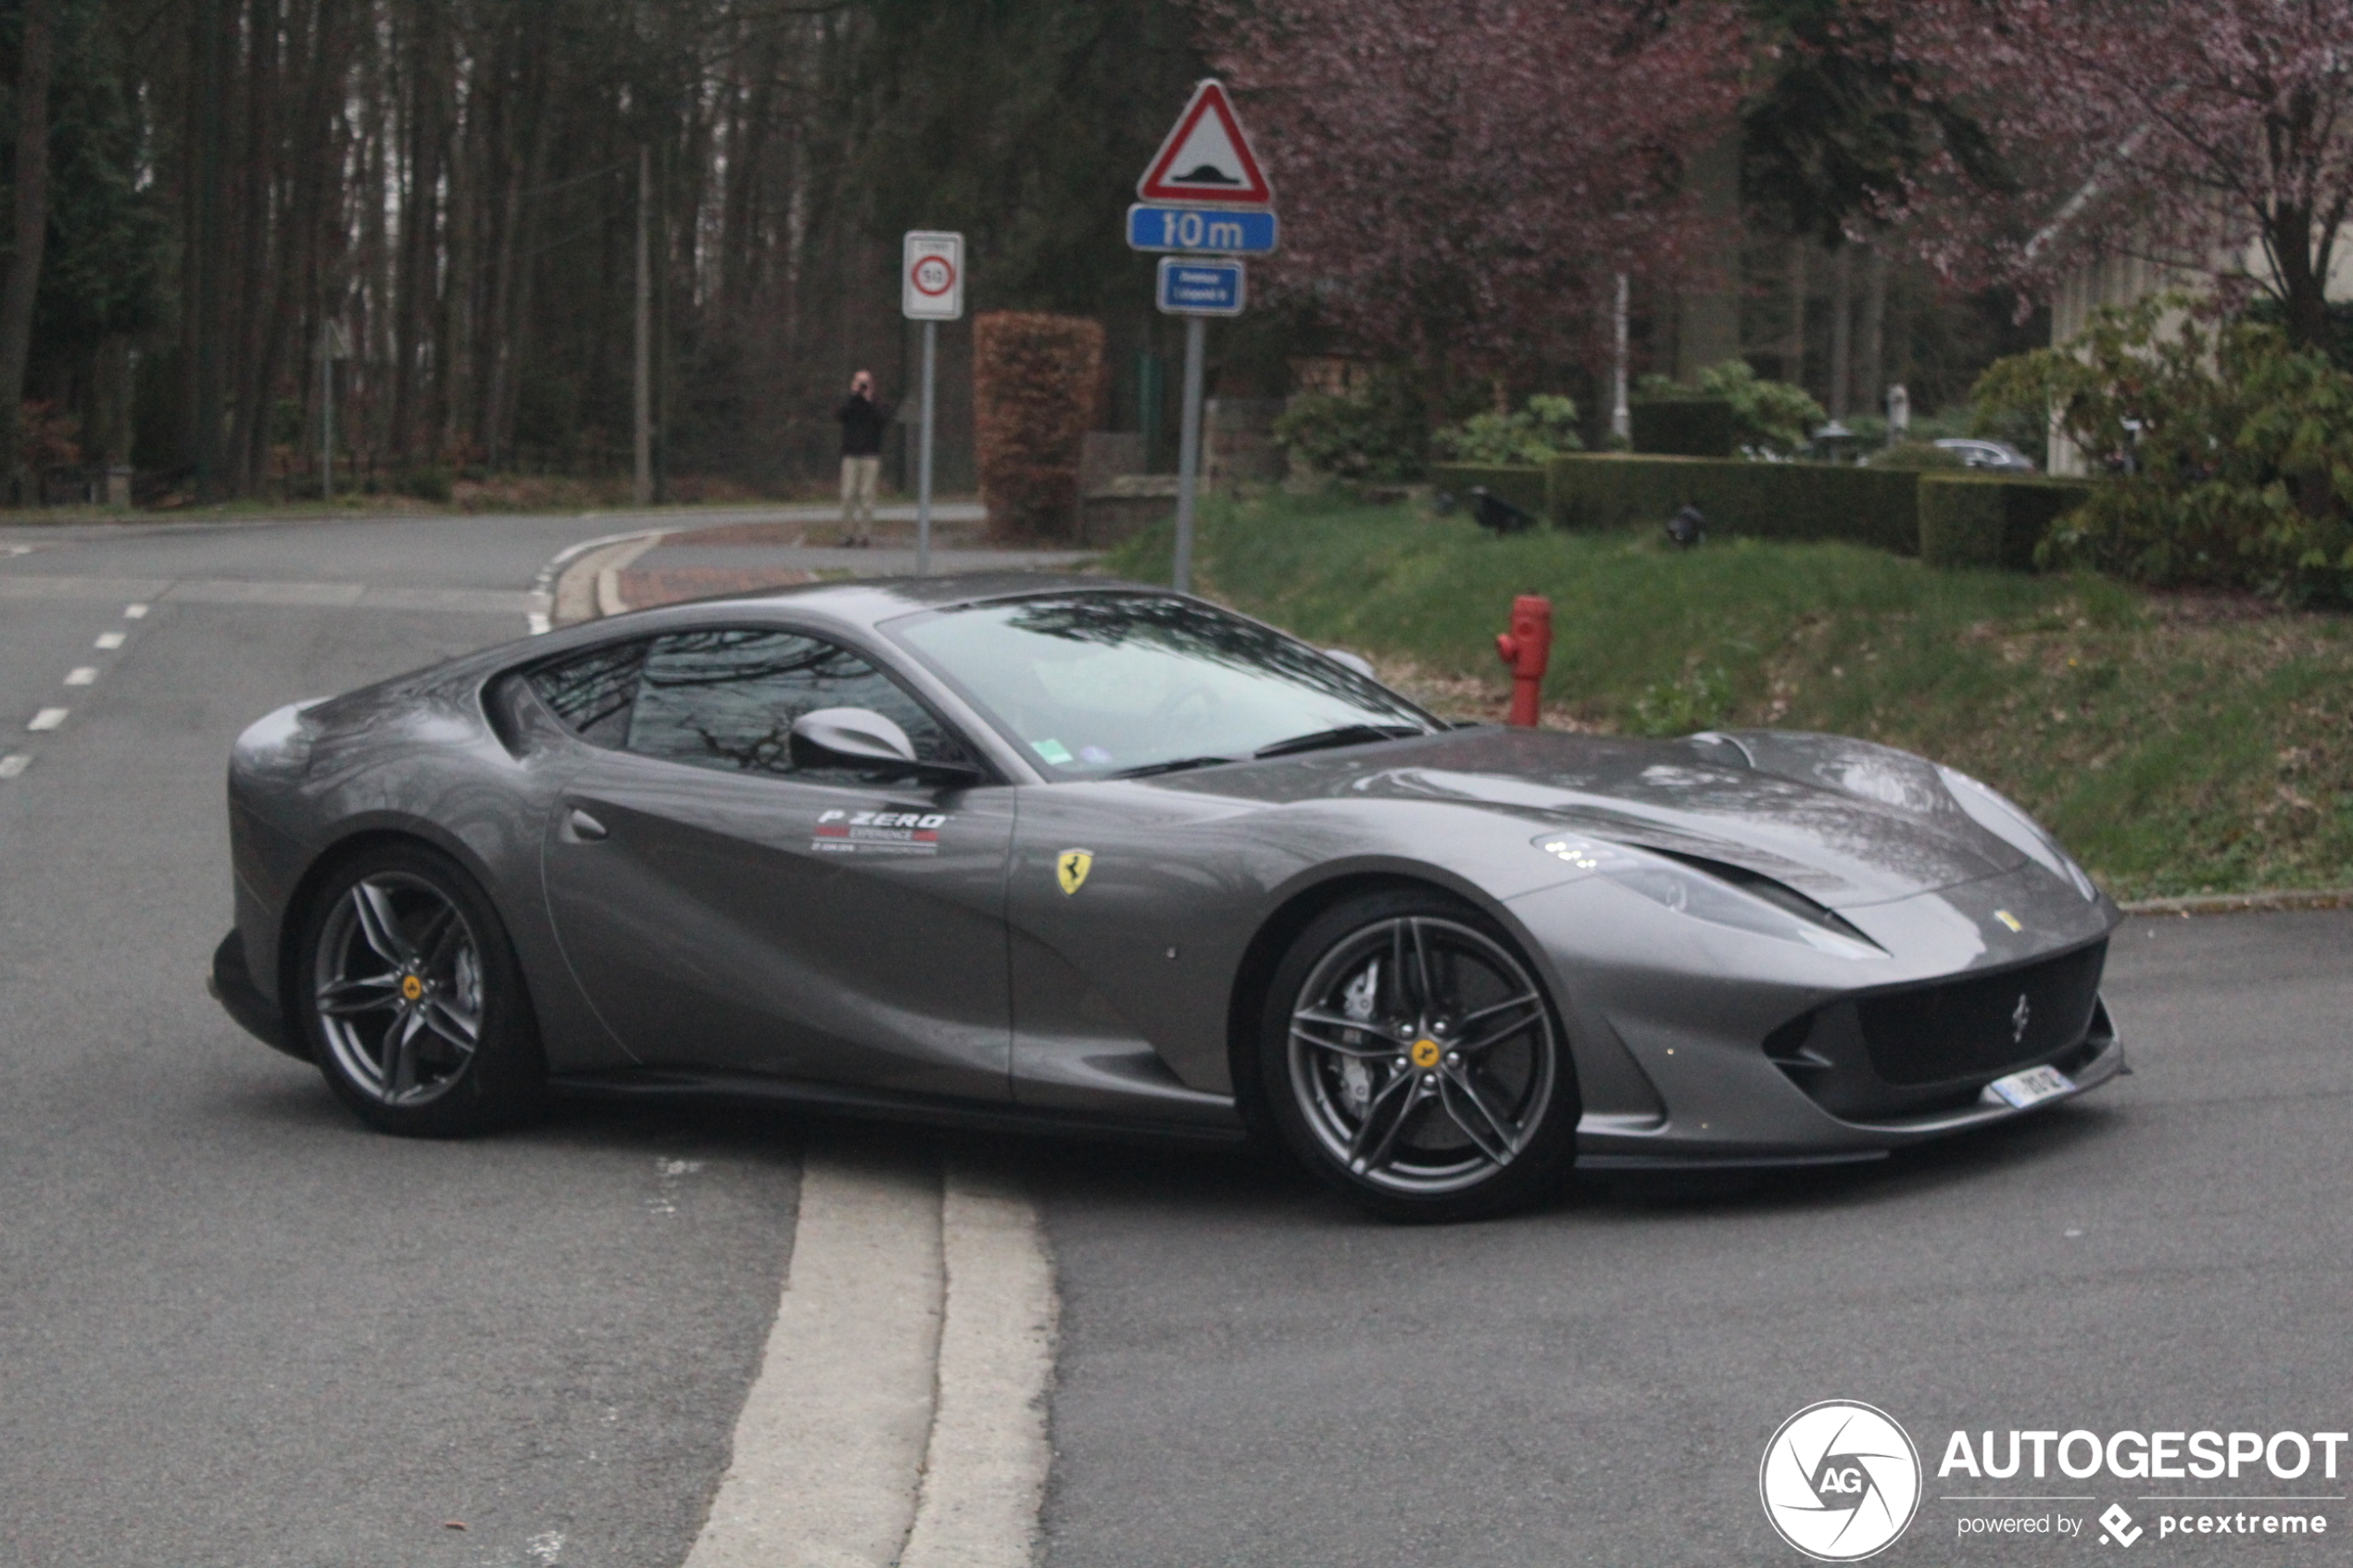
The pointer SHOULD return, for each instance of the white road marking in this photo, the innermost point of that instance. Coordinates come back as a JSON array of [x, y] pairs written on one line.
[[82, 675], [142, 592], [13, 764], [985, 1471], [110, 639], [832, 1436], [47, 718]]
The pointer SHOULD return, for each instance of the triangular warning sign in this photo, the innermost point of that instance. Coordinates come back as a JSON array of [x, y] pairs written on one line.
[[1206, 157]]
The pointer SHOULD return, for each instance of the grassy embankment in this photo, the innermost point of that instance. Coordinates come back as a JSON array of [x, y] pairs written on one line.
[[2177, 743]]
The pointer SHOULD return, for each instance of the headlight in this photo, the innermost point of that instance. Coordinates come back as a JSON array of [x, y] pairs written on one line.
[[1992, 811], [1773, 911]]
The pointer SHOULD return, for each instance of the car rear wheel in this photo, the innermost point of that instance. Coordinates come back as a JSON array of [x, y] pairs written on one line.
[[411, 998], [1411, 1058]]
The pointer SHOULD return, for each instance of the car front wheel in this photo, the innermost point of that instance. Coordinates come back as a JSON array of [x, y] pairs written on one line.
[[411, 998], [1411, 1058]]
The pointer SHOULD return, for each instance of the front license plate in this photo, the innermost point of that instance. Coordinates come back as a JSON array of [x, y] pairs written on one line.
[[2030, 1087]]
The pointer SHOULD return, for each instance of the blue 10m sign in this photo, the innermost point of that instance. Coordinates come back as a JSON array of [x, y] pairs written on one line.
[[1201, 231]]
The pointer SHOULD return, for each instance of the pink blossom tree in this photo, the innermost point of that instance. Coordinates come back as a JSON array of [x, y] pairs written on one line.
[[1459, 180], [2184, 131]]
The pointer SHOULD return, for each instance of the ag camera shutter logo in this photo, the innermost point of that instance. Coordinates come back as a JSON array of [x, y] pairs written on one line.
[[1840, 1481]]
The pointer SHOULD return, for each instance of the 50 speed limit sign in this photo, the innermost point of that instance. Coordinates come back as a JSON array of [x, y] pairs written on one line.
[[931, 276]]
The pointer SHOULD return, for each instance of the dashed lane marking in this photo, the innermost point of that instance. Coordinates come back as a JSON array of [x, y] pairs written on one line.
[[47, 718], [110, 640], [142, 592], [82, 675], [14, 763]]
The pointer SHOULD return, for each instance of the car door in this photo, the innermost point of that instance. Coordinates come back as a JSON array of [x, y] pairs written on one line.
[[726, 911]]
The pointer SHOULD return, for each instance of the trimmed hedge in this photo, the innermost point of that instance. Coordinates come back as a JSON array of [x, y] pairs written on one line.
[[1762, 500], [1988, 522], [1524, 486], [1681, 427], [1037, 381]]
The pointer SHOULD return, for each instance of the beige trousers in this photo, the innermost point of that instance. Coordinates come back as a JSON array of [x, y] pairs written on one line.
[[858, 475]]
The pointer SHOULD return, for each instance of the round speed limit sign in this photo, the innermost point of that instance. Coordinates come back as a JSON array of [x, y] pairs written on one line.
[[931, 277]]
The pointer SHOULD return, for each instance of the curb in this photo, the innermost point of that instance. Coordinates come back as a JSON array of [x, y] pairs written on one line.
[[557, 587], [2242, 903]]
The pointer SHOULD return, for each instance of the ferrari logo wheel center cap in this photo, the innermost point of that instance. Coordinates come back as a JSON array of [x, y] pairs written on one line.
[[411, 987], [1426, 1052]]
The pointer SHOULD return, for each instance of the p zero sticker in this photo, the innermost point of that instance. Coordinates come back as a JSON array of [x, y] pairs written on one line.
[[878, 833]]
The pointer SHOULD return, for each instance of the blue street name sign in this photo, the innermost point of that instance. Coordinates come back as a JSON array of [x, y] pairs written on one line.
[[1203, 231], [1199, 288]]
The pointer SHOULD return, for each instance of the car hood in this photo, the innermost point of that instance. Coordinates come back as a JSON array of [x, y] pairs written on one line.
[[1847, 822]]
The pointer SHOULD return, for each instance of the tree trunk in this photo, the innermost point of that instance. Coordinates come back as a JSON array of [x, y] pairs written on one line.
[[32, 237], [2303, 289], [1874, 377], [1841, 330], [1793, 353]]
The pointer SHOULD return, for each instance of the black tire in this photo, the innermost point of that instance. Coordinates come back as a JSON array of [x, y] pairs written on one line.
[[1442, 1087], [406, 989]]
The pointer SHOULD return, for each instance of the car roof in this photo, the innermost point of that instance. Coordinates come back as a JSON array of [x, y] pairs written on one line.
[[866, 602]]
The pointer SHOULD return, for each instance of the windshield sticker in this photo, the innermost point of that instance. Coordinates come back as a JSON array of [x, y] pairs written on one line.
[[1051, 750], [1094, 754], [878, 833]]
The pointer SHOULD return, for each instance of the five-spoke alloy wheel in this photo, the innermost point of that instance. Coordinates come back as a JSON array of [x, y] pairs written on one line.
[[1412, 1058], [410, 997]]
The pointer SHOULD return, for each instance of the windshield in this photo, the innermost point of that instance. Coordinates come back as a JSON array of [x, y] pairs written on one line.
[[1093, 685]]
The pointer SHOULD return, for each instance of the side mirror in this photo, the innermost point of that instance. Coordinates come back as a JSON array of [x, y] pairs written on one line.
[[859, 737], [1355, 661], [831, 736]]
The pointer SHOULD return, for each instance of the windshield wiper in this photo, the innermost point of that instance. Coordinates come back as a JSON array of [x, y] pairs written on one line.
[[1180, 765], [1346, 735]]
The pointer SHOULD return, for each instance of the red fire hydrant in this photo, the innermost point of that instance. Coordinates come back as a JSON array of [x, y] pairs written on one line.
[[1526, 647]]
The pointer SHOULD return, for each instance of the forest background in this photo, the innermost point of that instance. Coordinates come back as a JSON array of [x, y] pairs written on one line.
[[452, 188]]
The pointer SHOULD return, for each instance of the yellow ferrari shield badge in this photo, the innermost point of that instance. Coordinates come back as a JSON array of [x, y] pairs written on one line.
[[1071, 868]]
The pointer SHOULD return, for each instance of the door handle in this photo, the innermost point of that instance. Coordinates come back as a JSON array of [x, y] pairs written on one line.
[[584, 826]]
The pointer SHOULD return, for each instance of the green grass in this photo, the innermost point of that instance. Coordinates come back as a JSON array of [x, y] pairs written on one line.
[[2175, 751]]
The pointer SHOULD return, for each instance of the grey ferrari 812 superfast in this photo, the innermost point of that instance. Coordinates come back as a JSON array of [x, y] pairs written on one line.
[[1056, 852]]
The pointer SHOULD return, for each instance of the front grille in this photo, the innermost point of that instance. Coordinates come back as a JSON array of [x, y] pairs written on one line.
[[1983, 1025]]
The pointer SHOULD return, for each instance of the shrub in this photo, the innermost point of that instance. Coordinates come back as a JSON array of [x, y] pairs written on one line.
[[1769, 418], [2231, 451], [1524, 485], [429, 482], [1988, 520], [1035, 381], [1762, 500], [1683, 427], [1381, 436], [1544, 428], [1915, 456]]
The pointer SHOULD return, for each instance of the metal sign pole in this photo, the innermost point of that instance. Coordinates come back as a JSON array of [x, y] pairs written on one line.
[[923, 464], [1189, 454]]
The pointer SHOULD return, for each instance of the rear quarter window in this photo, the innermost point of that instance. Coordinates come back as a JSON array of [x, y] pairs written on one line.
[[593, 693]]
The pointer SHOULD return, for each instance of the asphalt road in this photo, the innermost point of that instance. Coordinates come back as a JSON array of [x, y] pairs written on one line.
[[237, 1330], [1248, 1374]]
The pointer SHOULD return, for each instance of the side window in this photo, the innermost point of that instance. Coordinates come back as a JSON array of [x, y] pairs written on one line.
[[728, 698], [592, 692]]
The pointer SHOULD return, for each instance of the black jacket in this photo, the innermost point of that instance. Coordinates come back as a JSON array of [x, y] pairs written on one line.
[[862, 423]]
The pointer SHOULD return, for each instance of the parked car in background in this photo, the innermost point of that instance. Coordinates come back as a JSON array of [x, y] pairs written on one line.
[[1996, 457]]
